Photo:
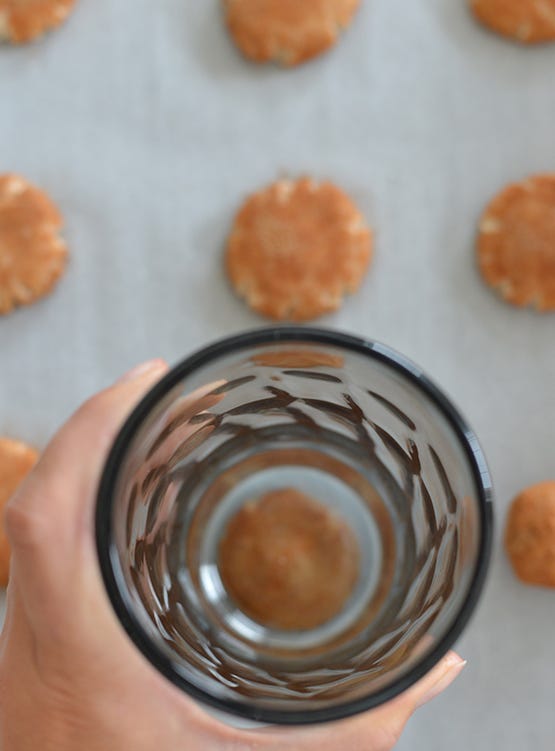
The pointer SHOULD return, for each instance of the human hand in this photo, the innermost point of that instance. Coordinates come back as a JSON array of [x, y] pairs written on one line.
[[69, 676]]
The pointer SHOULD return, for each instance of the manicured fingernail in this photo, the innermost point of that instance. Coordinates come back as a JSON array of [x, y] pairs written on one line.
[[456, 666], [146, 368]]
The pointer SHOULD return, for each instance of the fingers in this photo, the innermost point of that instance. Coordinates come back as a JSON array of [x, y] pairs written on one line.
[[49, 521], [379, 729], [145, 369]]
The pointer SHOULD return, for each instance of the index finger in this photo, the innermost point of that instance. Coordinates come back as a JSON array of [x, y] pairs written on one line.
[[49, 521]]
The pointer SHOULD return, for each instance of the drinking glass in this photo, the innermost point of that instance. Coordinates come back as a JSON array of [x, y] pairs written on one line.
[[367, 436]]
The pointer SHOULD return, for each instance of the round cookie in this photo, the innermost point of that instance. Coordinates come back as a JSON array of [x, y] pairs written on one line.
[[298, 358], [16, 461], [288, 562], [527, 21], [516, 243], [288, 32], [24, 20], [530, 535], [32, 253], [297, 248]]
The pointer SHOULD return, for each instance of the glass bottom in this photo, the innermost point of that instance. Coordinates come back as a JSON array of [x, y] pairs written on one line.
[[334, 471]]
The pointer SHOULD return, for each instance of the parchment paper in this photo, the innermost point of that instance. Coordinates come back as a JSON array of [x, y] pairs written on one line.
[[148, 129]]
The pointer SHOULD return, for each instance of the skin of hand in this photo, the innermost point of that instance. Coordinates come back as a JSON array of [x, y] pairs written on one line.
[[70, 679]]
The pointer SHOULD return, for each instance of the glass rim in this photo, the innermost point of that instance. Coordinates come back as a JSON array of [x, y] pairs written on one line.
[[113, 576]]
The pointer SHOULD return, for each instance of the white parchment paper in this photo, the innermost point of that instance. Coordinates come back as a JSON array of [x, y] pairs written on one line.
[[148, 129]]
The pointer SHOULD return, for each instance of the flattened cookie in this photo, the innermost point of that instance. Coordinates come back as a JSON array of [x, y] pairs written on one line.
[[298, 358], [24, 20], [32, 253], [297, 248], [516, 244], [527, 21], [16, 461], [288, 32], [288, 562], [530, 535]]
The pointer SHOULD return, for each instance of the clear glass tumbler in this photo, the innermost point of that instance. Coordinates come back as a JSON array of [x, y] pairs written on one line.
[[396, 475]]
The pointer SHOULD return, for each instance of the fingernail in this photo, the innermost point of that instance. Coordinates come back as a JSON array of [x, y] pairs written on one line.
[[152, 366], [455, 668]]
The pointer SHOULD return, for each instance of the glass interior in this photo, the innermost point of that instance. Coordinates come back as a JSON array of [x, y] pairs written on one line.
[[355, 431]]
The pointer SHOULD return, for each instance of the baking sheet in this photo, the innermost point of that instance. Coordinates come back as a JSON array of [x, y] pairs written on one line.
[[148, 129]]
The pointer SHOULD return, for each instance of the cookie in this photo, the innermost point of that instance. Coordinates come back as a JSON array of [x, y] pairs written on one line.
[[516, 244], [16, 461], [297, 248], [288, 32], [527, 21], [32, 253], [530, 535], [24, 20], [298, 358], [288, 562]]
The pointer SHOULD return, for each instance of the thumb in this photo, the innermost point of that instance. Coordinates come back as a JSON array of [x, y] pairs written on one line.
[[435, 682], [380, 728]]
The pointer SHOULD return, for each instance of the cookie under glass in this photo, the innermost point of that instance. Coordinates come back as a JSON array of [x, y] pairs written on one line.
[[349, 423]]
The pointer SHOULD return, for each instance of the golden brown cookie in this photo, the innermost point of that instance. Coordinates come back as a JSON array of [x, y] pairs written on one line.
[[516, 244], [24, 20], [298, 358], [16, 461], [288, 562], [527, 21], [297, 248], [530, 535], [288, 32], [32, 253]]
